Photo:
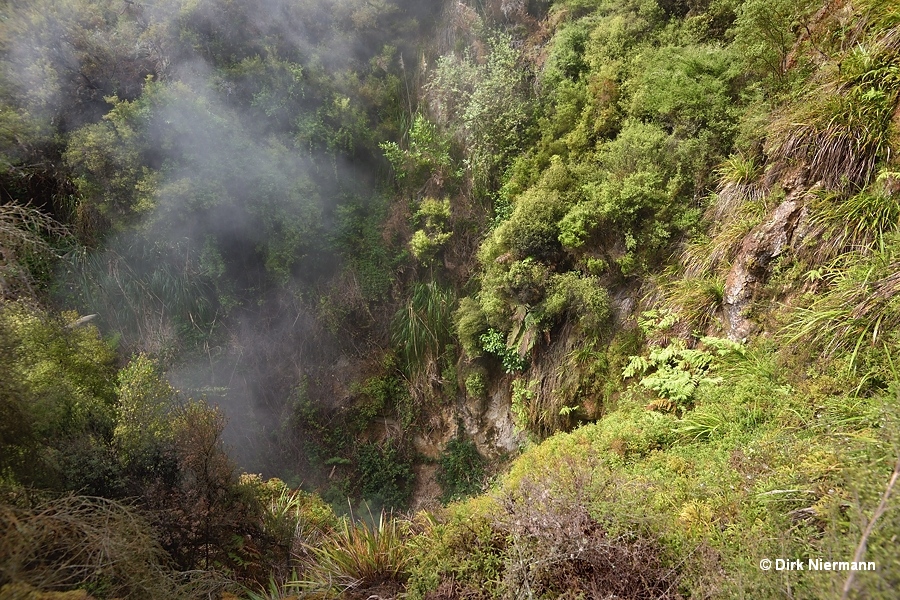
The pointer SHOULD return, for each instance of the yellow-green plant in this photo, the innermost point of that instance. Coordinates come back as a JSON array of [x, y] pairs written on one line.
[[359, 555], [861, 308], [675, 371], [435, 217]]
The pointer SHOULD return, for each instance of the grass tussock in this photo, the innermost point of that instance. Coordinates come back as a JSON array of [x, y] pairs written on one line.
[[697, 301], [861, 308], [88, 543], [422, 328], [24, 231], [739, 183], [841, 130], [706, 255], [359, 556], [856, 224]]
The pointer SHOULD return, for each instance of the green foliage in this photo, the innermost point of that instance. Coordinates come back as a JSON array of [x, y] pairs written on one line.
[[359, 555], [634, 190], [385, 473], [531, 231], [460, 470], [675, 372], [427, 242], [476, 384], [289, 518], [584, 299], [524, 406], [739, 169], [423, 327], [470, 324], [60, 400], [859, 309], [146, 401], [361, 243], [459, 545], [858, 224], [379, 395], [688, 91], [493, 342], [428, 154], [489, 104], [106, 160]]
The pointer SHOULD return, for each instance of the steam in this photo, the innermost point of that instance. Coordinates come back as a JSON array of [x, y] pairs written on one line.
[[241, 190]]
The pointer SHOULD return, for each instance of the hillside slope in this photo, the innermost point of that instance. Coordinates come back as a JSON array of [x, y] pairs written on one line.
[[608, 288]]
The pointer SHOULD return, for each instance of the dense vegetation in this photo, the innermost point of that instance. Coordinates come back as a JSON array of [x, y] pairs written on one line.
[[609, 288]]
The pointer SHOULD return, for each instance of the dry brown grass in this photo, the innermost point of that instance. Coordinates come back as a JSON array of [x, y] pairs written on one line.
[[81, 542], [23, 230], [557, 547], [840, 131]]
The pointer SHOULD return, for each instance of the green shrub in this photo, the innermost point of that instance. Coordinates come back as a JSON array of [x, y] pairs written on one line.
[[427, 155], [146, 400], [385, 474], [289, 518], [470, 324], [524, 281], [476, 384], [460, 471], [427, 242], [58, 386], [532, 230], [583, 298], [493, 342]]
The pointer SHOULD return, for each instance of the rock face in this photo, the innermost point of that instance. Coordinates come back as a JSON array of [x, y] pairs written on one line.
[[487, 421], [762, 245]]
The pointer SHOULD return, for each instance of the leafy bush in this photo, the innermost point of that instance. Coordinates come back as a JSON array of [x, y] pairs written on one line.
[[425, 243], [146, 402], [58, 387], [532, 230], [476, 384], [427, 156], [460, 471], [470, 324], [493, 342], [583, 298], [496, 114], [385, 473]]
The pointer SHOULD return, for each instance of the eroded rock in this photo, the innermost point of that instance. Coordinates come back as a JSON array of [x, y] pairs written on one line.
[[762, 245]]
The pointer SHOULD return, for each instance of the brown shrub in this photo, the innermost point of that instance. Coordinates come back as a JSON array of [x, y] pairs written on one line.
[[557, 547]]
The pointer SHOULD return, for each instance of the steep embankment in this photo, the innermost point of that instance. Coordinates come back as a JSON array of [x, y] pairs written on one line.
[[724, 171], [637, 261]]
